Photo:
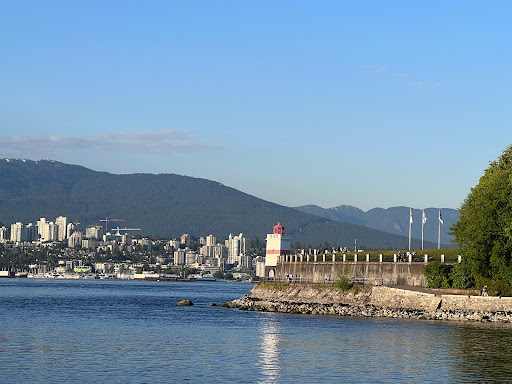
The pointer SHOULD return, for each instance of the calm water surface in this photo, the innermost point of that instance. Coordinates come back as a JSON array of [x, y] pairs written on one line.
[[74, 331]]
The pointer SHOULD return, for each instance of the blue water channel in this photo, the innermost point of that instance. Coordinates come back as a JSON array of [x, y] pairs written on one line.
[[116, 331]]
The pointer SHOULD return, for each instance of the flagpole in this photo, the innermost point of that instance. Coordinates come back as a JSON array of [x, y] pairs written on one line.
[[410, 223], [422, 224], [439, 232]]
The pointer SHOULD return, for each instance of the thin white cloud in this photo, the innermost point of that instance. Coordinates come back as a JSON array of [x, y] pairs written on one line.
[[425, 85], [390, 72], [166, 142], [372, 68]]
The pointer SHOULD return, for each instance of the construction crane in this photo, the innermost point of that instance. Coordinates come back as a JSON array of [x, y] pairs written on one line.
[[106, 220], [118, 230]]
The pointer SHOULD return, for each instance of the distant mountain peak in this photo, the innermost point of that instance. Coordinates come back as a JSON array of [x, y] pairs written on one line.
[[392, 220]]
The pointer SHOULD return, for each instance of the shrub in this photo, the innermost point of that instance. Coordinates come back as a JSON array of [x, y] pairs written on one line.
[[437, 274], [343, 283]]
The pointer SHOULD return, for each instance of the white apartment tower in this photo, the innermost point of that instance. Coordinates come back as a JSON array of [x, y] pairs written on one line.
[[75, 239], [17, 232], [211, 241], [70, 229], [46, 230], [236, 249], [61, 223]]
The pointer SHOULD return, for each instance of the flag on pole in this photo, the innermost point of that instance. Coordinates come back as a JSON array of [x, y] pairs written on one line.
[[424, 217], [410, 215], [440, 219]]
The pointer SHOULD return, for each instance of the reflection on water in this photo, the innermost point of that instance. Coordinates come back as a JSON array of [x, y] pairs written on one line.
[[480, 352], [269, 343]]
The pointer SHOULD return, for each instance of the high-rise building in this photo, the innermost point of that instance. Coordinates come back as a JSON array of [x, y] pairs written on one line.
[[185, 239], [211, 241], [30, 232], [4, 232], [236, 249], [61, 223], [21, 232], [179, 257], [209, 248], [46, 230], [52, 231], [220, 251], [93, 231], [17, 232], [75, 239], [70, 229]]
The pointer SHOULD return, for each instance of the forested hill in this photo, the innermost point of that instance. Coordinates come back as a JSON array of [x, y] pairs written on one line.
[[165, 205]]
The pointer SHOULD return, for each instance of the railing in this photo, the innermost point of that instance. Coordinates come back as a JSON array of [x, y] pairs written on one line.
[[369, 258], [329, 280]]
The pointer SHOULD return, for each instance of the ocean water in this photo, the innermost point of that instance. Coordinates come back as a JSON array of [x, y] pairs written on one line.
[[109, 331]]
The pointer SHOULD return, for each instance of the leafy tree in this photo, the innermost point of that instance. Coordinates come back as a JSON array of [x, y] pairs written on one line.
[[218, 275], [462, 276], [484, 229]]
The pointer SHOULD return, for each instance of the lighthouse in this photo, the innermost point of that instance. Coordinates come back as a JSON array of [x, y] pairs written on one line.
[[277, 245]]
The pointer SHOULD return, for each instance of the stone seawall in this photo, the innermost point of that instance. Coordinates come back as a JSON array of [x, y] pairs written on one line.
[[370, 301]]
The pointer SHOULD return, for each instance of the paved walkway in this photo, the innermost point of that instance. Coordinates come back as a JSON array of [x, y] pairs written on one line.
[[462, 292]]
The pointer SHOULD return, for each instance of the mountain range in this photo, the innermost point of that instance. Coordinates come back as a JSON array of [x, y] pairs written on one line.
[[393, 220], [166, 205]]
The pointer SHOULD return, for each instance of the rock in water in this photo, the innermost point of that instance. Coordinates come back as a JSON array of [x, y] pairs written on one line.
[[186, 302]]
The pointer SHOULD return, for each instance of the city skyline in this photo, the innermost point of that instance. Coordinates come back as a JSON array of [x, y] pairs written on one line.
[[364, 104]]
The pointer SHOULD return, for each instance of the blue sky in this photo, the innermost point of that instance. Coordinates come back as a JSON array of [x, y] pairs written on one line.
[[371, 104]]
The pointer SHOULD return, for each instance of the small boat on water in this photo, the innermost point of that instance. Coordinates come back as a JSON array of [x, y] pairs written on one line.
[[21, 274]]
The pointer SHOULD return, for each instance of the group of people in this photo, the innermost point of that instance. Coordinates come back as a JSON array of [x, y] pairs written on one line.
[[340, 249], [404, 256]]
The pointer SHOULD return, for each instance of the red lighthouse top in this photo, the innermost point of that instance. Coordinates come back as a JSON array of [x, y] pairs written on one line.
[[278, 229]]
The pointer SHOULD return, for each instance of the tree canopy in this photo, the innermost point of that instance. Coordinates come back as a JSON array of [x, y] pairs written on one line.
[[484, 229]]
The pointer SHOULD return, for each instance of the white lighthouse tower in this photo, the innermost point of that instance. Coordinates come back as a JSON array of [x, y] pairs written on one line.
[[277, 245]]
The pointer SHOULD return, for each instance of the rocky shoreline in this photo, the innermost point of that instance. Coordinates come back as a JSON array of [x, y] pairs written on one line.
[[356, 303]]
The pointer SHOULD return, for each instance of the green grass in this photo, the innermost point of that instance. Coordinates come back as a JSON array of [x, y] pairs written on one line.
[[273, 285]]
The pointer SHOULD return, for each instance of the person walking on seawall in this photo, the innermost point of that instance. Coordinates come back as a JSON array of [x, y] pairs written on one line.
[[484, 291]]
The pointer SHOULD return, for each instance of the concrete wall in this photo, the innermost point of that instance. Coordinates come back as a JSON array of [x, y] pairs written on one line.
[[385, 273]]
